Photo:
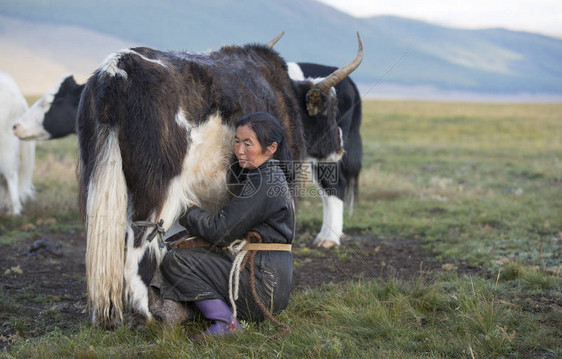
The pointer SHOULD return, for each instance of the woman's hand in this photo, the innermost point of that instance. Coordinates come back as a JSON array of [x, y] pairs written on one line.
[[183, 219]]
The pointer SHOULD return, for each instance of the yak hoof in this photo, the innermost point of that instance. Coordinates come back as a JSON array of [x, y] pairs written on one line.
[[325, 243], [139, 320]]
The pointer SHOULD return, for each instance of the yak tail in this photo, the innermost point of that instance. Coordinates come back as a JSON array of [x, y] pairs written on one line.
[[106, 224]]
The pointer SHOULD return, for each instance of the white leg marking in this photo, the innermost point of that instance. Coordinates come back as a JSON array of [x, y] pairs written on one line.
[[332, 215], [136, 289], [332, 223]]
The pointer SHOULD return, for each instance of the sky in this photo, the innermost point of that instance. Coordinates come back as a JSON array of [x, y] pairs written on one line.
[[541, 16]]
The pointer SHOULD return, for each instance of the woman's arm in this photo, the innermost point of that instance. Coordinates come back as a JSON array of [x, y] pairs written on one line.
[[233, 220]]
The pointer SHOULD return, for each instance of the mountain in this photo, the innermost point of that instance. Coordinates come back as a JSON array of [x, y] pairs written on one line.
[[40, 39], [37, 55]]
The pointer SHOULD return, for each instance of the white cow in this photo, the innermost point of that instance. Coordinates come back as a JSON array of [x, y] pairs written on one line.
[[17, 158]]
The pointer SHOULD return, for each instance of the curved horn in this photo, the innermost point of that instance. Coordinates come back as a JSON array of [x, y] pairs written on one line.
[[274, 41], [342, 72]]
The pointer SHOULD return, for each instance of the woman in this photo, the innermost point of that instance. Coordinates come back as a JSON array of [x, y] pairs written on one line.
[[261, 204]]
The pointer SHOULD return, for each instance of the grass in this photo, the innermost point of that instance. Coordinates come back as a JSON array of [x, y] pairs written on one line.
[[454, 317], [54, 206], [475, 183]]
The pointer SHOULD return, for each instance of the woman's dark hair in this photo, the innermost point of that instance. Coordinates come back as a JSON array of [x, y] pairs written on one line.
[[269, 130]]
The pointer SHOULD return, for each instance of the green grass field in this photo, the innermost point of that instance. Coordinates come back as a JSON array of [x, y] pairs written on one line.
[[478, 184]]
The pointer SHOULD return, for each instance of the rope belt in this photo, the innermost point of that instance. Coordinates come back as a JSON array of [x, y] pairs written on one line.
[[180, 240], [240, 248], [268, 247]]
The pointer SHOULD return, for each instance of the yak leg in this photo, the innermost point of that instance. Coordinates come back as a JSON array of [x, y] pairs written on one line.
[[140, 264], [331, 187], [14, 203], [332, 222]]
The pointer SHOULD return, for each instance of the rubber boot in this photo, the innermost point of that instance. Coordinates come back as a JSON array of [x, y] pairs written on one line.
[[219, 312]]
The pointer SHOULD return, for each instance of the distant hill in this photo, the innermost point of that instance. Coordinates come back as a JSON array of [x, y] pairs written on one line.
[[38, 54], [42, 40]]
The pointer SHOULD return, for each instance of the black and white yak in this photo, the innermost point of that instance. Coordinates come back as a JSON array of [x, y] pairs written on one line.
[[155, 132], [344, 187]]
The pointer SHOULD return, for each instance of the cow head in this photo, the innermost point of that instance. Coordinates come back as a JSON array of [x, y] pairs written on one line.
[[322, 135], [53, 115]]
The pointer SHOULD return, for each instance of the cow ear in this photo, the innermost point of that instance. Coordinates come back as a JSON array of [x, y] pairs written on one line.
[[316, 101]]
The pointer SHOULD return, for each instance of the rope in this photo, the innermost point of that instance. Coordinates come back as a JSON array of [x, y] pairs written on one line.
[[239, 263], [158, 230], [237, 249]]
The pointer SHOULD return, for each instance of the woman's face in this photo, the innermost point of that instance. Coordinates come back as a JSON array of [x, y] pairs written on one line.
[[248, 150]]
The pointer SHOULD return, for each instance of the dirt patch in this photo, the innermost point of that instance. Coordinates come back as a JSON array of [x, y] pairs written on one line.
[[43, 283], [362, 256], [42, 288]]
